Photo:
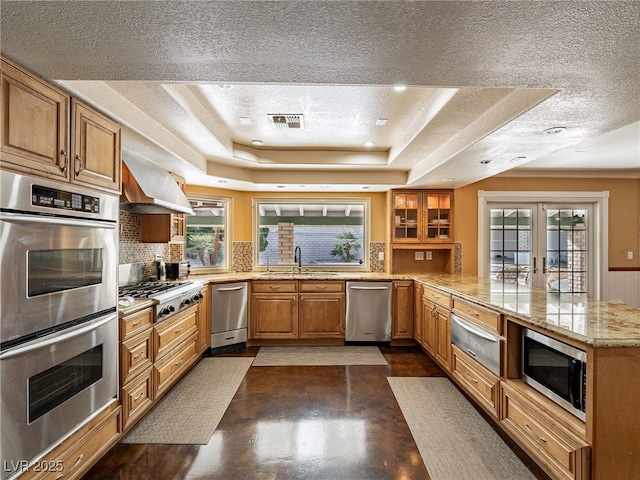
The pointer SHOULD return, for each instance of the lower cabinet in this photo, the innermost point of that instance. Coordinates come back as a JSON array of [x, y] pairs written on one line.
[[436, 337], [292, 310], [204, 320], [557, 450], [76, 455], [402, 298], [479, 382]]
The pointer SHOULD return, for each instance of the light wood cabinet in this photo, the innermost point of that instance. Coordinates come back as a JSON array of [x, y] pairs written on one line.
[[482, 384], [402, 320], [74, 456], [47, 133], [556, 449], [136, 355], [174, 364], [436, 331], [422, 216], [204, 320], [481, 316], [291, 310], [417, 312], [137, 397], [164, 227]]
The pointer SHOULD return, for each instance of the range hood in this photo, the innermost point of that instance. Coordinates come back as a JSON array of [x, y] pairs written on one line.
[[147, 188]]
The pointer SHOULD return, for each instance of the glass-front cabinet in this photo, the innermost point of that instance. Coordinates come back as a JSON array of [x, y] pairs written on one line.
[[407, 213], [422, 216], [438, 216]]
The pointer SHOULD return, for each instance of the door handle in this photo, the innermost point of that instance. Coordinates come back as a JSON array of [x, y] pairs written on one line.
[[535, 265]]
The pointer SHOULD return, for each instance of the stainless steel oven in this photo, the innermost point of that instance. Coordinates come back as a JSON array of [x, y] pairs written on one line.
[[59, 328], [54, 384], [58, 255]]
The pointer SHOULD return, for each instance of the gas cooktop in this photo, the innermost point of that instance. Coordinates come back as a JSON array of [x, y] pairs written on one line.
[[151, 289]]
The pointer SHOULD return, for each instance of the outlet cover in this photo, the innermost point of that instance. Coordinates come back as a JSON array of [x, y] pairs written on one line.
[[380, 255], [418, 256], [429, 255]]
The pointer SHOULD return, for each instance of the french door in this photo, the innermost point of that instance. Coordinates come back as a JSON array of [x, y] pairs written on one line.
[[541, 245]]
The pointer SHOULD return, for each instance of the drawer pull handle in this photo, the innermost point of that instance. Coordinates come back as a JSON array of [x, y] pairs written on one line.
[[471, 312], [471, 352], [135, 357], [228, 338], [135, 324], [321, 287], [181, 328], [534, 434], [138, 397], [471, 378], [179, 362], [71, 467], [274, 287]]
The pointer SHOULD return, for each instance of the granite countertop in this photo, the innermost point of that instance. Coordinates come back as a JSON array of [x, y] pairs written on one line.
[[595, 323], [574, 316]]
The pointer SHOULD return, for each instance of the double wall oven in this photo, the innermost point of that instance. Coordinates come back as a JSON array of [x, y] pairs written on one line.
[[58, 298]]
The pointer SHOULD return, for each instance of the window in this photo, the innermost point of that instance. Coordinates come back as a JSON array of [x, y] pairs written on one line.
[[207, 246], [328, 233]]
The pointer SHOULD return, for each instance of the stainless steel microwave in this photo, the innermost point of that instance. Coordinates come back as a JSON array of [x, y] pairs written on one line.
[[555, 369]]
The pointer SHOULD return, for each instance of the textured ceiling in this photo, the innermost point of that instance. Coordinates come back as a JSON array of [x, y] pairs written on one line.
[[486, 78]]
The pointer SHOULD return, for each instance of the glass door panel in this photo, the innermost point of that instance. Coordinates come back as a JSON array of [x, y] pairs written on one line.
[[511, 248], [566, 256]]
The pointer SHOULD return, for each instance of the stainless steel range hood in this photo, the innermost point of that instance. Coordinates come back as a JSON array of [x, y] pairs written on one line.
[[147, 188]]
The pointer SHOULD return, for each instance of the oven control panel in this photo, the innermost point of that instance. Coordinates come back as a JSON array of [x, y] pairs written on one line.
[[64, 200]]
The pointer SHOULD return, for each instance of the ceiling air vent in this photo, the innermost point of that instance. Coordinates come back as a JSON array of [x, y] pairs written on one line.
[[286, 120]]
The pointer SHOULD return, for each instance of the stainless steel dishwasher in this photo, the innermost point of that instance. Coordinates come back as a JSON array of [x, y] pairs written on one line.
[[368, 312], [228, 316]]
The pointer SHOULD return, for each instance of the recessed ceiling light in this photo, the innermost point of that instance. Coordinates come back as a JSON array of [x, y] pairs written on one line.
[[257, 143], [447, 179], [381, 122], [399, 88], [485, 162], [225, 86], [554, 130], [369, 144], [245, 121]]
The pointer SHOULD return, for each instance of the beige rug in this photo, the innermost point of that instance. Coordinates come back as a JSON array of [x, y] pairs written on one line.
[[454, 440], [317, 356], [191, 411]]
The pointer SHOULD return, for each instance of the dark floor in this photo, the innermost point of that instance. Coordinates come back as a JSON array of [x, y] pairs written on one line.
[[297, 423]]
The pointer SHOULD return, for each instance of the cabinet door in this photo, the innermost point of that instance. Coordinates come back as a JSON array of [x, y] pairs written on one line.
[[35, 125], [443, 337], [438, 217], [322, 315], [96, 149], [406, 217], [402, 325], [274, 315], [204, 321], [429, 329], [417, 312]]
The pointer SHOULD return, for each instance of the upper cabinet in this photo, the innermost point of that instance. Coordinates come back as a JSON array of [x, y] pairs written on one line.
[[47, 133], [422, 216]]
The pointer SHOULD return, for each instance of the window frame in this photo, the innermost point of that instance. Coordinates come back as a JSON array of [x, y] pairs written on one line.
[[228, 201], [366, 233]]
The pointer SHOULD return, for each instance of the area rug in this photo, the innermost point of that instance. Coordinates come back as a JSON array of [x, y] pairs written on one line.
[[317, 356], [452, 437], [191, 411]]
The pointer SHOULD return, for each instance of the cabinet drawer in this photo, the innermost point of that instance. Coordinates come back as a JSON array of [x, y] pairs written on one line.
[[286, 286], [135, 355], [83, 454], [137, 397], [437, 296], [136, 322], [560, 451], [177, 361], [478, 381], [319, 287], [478, 314], [171, 332]]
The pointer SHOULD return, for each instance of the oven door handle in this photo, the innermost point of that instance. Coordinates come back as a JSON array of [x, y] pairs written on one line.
[[41, 219], [36, 344]]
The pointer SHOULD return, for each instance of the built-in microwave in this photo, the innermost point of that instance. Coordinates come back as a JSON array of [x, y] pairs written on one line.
[[555, 369]]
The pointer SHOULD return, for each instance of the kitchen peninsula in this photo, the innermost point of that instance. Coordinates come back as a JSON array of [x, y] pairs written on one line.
[[606, 444]]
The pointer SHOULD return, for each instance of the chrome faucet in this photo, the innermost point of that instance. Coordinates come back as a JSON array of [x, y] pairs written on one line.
[[297, 257]]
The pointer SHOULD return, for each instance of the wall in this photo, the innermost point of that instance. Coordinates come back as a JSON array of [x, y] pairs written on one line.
[[624, 213]]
